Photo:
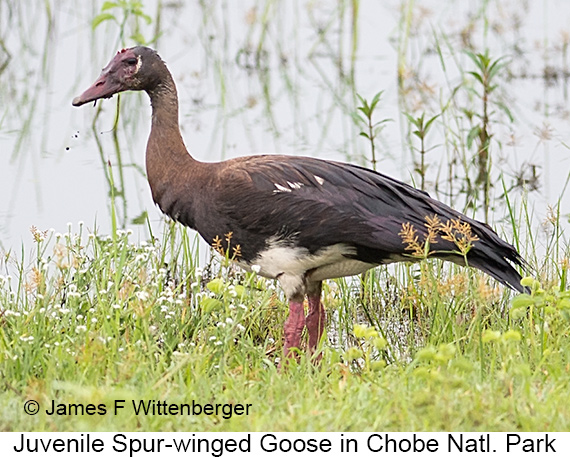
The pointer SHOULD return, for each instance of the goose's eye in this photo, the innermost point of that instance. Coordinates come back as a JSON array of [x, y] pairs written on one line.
[[131, 61]]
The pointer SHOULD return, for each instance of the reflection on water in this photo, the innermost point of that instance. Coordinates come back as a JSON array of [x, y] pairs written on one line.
[[283, 77]]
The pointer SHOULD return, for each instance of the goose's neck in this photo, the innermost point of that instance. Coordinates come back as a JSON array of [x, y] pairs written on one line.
[[165, 145], [165, 127], [170, 168]]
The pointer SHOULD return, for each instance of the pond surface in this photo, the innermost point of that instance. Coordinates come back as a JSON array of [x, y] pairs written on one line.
[[273, 76]]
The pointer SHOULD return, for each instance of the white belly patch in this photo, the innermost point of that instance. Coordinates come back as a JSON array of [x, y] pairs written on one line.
[[294, 265], [330, 262]]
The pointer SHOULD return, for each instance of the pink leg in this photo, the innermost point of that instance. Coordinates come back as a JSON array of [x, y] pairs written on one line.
[[316, 318], [294, 327]]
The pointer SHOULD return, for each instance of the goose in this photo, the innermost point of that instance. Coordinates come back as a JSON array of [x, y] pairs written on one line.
[[300, 220]]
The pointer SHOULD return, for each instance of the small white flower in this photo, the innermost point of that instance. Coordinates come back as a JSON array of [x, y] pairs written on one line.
[[229, 320], [218, 343], [240, 327], [141, 258], [80, 328], [93, 319], [142, 295], [220, 325], [213, 337], [256, 268], [80, 317]]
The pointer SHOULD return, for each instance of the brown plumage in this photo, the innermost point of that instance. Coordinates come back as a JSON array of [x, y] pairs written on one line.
[[300, 220]]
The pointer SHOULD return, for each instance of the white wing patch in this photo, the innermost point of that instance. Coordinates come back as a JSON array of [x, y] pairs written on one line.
[[292, 186], [295, 185], [320, 180], [280, 188]]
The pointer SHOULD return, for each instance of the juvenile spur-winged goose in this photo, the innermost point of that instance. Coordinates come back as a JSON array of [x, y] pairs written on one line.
[[300, 220]]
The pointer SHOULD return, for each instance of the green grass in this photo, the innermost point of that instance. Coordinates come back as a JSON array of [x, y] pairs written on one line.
[[93, 319]]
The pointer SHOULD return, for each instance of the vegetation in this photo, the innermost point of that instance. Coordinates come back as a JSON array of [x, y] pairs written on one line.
[[95, 318], [98, 318]]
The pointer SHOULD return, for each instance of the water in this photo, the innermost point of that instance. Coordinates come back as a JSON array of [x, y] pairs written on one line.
[[275, 77]]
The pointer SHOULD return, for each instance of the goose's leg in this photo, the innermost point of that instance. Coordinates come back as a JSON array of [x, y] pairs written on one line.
[[316, 318], [294, 325]]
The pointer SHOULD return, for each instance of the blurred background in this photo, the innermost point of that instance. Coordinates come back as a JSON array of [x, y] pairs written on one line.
[[472, 106]]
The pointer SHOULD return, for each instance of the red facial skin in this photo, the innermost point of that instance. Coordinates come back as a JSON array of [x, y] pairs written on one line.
[[114, 78]]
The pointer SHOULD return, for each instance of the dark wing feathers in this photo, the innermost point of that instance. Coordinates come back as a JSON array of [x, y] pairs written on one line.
[[319, 203]]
